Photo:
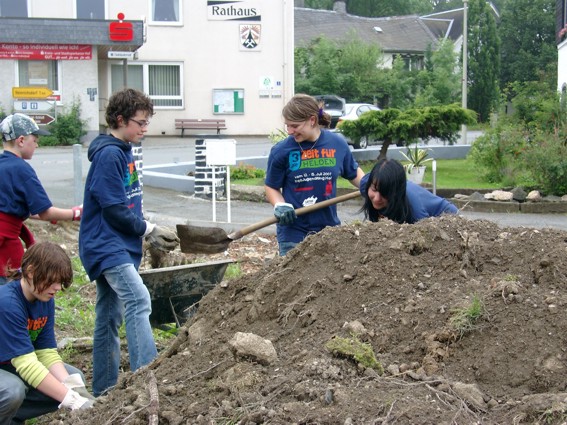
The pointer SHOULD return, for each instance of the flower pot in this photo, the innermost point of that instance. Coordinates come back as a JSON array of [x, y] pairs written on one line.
[[416, 174]]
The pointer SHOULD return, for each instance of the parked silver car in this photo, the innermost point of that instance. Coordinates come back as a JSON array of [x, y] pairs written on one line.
[[352, 112]]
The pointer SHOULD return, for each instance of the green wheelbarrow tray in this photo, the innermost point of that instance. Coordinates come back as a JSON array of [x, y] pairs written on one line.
[[175, 291]]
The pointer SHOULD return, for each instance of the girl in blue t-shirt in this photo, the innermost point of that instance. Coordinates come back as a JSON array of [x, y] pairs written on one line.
[[33, 378], [388, 194]]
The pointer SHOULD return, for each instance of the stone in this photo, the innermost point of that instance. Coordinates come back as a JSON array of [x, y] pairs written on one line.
[[254, 347], [519, 194], [499, 195], [534, 196]]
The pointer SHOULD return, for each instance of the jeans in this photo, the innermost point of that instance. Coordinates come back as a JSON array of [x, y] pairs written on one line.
[[120, 293], [285, 247], [19, 401]]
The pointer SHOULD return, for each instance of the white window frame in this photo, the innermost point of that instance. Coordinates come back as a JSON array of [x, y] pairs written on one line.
[[75, 11], [177, 23], [59, 77], [146, 79]]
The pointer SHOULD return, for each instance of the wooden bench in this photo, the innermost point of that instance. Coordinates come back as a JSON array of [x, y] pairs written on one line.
[[199, 124]]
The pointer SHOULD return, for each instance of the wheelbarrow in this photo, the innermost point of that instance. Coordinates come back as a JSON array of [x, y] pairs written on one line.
[[176, 291]]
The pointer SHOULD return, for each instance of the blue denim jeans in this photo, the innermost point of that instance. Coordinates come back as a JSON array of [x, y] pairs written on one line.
[[19, 401], [120, 292], [285, 247]]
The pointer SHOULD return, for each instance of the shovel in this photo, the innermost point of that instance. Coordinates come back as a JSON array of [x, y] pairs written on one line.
[[212, 240]]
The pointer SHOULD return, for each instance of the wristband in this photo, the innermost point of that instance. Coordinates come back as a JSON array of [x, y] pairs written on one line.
[[77, 212]]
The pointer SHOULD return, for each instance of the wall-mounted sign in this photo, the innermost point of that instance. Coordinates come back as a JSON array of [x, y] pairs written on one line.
[[231, 10], [250, 37], [121, 31], [31, 92], [122, 55], [45, 51], [228, 101]]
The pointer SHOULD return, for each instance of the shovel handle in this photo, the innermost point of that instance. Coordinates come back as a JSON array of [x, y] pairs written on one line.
[[300, 211]]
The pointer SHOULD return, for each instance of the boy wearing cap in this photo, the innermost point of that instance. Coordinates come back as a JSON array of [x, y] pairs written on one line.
[[21, 193]]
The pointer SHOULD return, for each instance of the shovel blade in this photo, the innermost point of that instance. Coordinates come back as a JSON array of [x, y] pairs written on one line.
[[202, 240]]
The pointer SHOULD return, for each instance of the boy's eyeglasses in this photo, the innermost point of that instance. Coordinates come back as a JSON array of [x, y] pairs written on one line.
[[142, 124]]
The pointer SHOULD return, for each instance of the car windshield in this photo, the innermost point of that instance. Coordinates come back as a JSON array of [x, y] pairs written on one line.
[[348, 109]]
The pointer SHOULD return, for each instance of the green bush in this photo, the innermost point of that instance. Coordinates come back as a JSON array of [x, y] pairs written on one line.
[[245, 171], [67, 129]]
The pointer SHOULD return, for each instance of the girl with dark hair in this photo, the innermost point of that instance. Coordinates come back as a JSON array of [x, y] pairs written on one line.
[[303, 169], [388, 194], [33, 378]]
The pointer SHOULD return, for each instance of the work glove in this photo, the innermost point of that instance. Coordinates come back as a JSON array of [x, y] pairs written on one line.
[[75, 382], [284, 212], [74, 401], [161, 237]]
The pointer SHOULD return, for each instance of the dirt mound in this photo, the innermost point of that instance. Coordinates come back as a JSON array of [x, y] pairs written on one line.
[[465, 318]]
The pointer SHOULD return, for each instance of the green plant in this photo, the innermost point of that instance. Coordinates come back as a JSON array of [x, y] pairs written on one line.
[[244, 171], [354, 349], [233, 271], [67, 129], [465, 319], [277, 135], [416, 157]]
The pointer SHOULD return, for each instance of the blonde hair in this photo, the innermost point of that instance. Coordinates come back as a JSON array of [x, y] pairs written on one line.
[[301, 107]]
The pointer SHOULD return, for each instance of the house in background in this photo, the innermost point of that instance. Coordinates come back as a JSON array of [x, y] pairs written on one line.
[[206, 59]]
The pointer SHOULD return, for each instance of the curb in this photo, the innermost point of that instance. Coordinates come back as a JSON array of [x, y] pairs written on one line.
[[511, 207]]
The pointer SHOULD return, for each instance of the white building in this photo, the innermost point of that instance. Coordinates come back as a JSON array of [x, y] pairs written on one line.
[[561, 34], [195, 59]]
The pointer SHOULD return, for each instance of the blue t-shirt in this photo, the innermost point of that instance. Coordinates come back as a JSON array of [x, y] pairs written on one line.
[[21, 192], [112, 181], [307, 173], [423, 203], [24, 326]]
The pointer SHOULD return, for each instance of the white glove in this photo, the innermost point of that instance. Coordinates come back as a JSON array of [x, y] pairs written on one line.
[[74, 401], [149, 228], [75, 382]]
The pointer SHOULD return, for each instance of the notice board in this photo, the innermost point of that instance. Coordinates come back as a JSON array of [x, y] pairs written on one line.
[[228, 101]]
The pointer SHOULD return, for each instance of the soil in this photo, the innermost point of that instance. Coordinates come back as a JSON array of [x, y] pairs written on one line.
[[466, 319]]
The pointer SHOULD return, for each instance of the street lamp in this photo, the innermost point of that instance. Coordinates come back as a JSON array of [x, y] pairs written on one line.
[[465, 57]]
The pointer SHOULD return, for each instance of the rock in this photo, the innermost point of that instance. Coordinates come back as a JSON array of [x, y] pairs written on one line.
[[477, 196], [254, 347], [499, 195], [519, 194], [534, 196], [460, 196], [355, 327], [551, 198], [470, 393]]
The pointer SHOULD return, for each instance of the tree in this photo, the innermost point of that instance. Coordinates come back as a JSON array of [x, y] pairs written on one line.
[[347, 68], [528, 51], [439, 83], [404, 127], [483, 60]]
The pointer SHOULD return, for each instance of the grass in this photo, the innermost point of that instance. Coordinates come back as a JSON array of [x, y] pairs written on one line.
[[451, 174], [465, 319]]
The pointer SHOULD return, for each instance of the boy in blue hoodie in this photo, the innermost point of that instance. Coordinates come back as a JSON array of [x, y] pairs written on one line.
[[111, 237]]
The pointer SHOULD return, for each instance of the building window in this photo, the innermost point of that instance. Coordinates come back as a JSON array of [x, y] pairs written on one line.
[[165, 11], [90, 9], [162, 82], [13, 8], [38, 73]]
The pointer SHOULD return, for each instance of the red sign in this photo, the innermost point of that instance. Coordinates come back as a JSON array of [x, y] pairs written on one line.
[[121, 31], [46, 51], [41, 119]]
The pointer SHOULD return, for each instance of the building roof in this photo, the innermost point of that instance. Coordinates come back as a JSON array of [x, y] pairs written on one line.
[[68, 31], [397, 34]]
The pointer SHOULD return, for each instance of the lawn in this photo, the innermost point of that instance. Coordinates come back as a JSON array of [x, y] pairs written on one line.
[[451, 174]]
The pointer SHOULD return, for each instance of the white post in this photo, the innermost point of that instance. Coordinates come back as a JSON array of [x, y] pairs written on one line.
[[213, 188], [434, 170], [465, 65], [228, 193]]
